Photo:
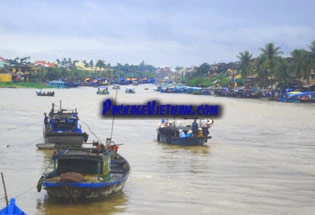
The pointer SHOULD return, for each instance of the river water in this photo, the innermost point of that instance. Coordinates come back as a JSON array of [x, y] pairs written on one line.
[[261, 159]]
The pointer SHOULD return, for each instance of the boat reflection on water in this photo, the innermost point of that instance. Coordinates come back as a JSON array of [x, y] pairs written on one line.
[[114, 204]]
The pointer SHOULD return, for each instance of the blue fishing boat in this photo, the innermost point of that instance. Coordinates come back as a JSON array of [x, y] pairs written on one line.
[[12, 209], [63, 129], [296, 96], [88, 173]]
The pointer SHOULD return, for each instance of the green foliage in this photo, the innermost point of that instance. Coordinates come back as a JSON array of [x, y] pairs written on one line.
[[24, 85], [245, 65]]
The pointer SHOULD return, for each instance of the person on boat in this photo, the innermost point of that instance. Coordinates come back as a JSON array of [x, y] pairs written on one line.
[[194, 128], [181, 133], [209, 124], [170, 124], [199, 132], [99, 146], [204, 127], [46, 123], [189, 133]]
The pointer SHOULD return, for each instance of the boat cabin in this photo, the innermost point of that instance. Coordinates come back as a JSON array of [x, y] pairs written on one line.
[[85, 162]]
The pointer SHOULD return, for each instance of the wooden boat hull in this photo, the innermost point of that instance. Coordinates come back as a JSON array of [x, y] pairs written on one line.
[[66, 138], [83, 191], [45, 94], [187, 141], [102, 93], [46, 146]]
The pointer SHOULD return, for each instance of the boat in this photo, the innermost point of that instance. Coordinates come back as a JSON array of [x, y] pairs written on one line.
[[63, 129], [307, 97], [40, 93], [12, 209], [130, 90], [62, 84], [102, 91], [116, 87], [296, 96], [85, 174], [170, 134]]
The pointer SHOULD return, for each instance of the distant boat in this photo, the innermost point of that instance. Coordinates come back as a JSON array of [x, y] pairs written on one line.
[[297, 96], [116, 87], [63, 130], [40, 93], [130, 90], [85, 174], [62, 84], [102, 91], [12, 209]]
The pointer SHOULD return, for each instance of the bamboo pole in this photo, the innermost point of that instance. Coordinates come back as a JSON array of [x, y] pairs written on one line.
[[5, 191]]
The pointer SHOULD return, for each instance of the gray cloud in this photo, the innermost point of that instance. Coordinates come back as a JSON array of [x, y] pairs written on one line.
[[173, 33]]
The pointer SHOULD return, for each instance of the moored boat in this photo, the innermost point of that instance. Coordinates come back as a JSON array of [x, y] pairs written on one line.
[[296, 96], [63, 129], [87, 173], [130, 90], [102, 91], [116, 87]]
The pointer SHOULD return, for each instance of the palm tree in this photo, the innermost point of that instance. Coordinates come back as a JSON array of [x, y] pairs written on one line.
[[298, 56], [270, 51], [312, 46], [282, 73], [100, 64], [262, 69], [91, 64], [312, 54], [245, 64]]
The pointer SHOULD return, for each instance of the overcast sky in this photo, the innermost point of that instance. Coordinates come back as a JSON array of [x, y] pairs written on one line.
[[160, 33]]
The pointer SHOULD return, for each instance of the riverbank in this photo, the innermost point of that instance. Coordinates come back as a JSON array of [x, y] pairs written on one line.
[[24, 85]]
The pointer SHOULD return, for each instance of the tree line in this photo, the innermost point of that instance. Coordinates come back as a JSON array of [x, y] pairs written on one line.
[[269, 67]]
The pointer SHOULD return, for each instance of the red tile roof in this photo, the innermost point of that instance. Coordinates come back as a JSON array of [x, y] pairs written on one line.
[[4, 60]]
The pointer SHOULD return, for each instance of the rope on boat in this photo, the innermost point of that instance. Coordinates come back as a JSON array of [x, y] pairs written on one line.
[[21, 126], [72, 197], [92, 132]]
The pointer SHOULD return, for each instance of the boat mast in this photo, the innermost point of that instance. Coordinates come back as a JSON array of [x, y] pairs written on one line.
[[111, 133]]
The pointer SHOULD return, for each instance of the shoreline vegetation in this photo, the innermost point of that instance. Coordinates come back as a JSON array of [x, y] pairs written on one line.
[[24, 85]]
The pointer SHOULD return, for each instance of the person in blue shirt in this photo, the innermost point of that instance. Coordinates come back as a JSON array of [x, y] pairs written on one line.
[[189, 133], [181, 133]]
